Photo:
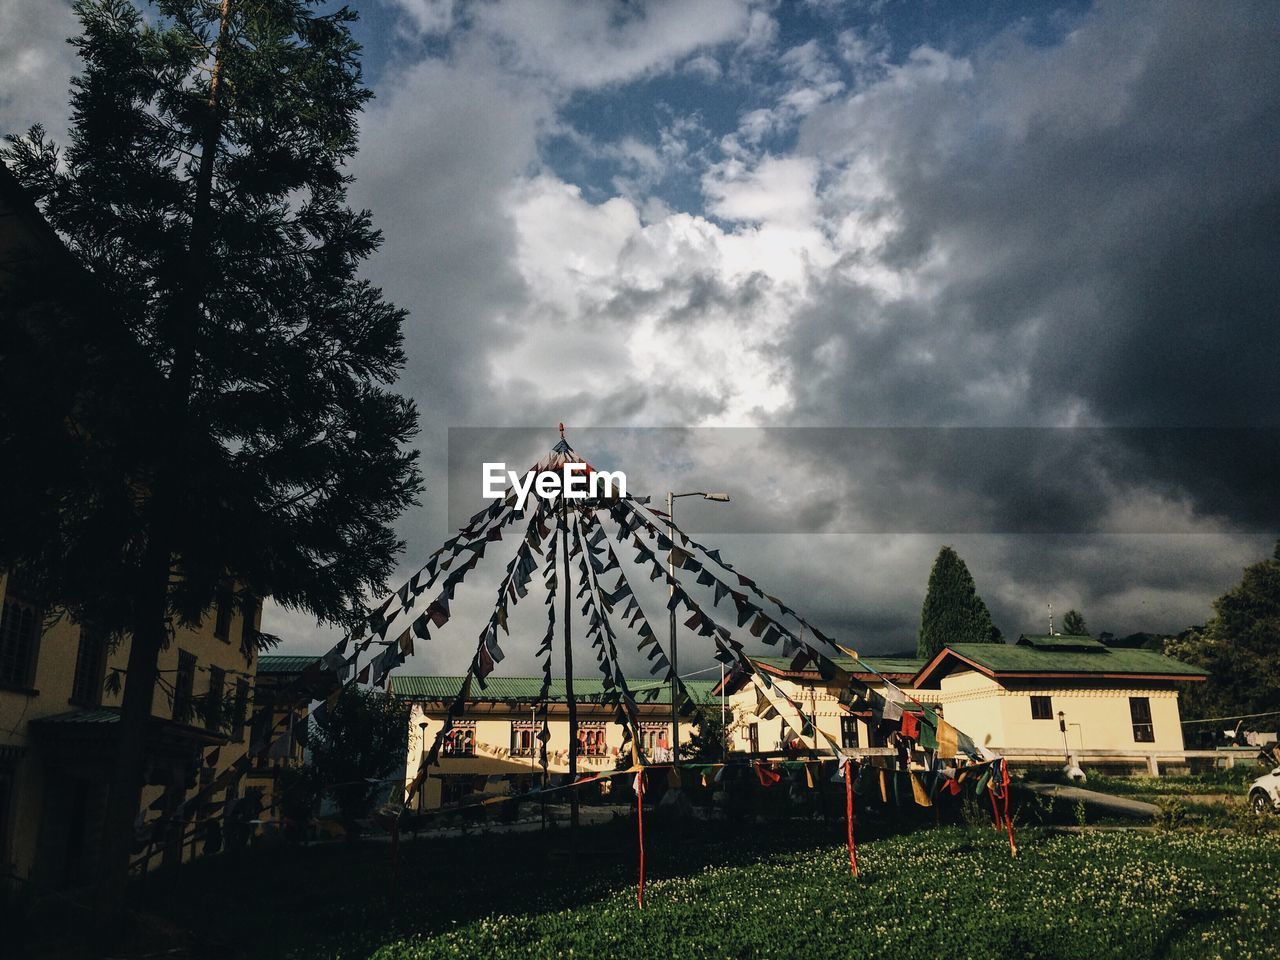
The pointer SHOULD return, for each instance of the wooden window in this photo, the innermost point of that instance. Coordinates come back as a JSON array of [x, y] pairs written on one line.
[[6, 806], [455, 789], [849, 732], [654, 737], [460, 741], [753, 737], [249, 635], [222, 619], [241, 709], [19, 641], [1042, 708], [213, 705], [183, 686], [877, 734], [591, 740], [1140, 714], [91, 667], [524, 738]]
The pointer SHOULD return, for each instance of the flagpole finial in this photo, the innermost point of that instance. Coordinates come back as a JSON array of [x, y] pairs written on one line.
[[562, 430]]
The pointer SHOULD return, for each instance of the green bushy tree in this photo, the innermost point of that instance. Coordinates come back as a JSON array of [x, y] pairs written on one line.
[[1073, 624], [353, 747], [1239, 647]]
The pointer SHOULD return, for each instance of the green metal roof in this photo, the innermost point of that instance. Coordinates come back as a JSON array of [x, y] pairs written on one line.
[[896, 665], [528, 688], [92, 715], [277, 663], [1059, 641], [1018, 658], [1082, 656]]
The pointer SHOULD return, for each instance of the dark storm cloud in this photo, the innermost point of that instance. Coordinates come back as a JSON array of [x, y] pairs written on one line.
[[1108, 213], [1096, 226]]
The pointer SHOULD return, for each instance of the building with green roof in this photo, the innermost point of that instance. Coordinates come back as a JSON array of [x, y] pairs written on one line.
[[496, 743], [1042, 698]]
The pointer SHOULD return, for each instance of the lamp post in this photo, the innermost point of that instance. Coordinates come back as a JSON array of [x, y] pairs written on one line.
[[422, 756], [1072, 770], [672, 497], [1066, 751]]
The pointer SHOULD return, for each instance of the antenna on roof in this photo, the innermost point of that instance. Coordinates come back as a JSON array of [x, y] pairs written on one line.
[[1051, 633]]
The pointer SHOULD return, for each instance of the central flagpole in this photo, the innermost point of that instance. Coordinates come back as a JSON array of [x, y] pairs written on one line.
[[671, 627], [568, 668], [849, 815]]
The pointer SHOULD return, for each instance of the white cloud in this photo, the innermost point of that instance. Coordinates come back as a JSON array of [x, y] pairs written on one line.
[[430, 17], [615, 303], [777, 191], [704, 66], [37, 65], [574, 45]]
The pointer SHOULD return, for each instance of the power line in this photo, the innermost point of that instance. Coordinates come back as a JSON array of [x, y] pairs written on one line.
[[1243, 716]]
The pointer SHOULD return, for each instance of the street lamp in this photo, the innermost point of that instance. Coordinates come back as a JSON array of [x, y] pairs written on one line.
[[1072, 770], [422, 758], [671, 589]]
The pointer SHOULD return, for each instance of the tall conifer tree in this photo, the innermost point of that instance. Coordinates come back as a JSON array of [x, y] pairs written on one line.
[[952, 612], [204, 192]]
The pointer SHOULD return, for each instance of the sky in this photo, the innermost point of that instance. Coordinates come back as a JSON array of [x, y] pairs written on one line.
[[892, 274]]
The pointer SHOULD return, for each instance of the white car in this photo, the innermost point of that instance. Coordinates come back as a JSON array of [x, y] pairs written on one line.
[[1264, 793]]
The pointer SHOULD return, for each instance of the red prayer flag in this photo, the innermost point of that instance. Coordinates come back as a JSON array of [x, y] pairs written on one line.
[[910, 725]]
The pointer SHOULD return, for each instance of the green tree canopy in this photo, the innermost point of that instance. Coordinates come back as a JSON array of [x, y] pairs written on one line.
[[952, 612], [354, 747], [1240, 647], [709, 743], [1073, 624]]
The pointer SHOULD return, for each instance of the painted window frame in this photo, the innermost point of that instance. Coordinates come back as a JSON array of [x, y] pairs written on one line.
[[1144, 728], [21, 627], [850, 738]]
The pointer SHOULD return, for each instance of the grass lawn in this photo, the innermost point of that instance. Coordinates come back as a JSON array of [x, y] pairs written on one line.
[[785, 892], [1228, 783], [1216, 799]]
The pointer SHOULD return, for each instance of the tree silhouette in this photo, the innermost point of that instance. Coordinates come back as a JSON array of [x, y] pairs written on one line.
[[203, 192], [1073, 624]]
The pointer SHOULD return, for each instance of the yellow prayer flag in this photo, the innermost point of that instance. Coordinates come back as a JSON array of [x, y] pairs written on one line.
[[884, 786], [948, 740], [919, 792]]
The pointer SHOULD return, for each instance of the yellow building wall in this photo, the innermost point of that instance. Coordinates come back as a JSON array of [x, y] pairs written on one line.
[[51, 695], [975, 704], [1096, 720], [493, 744], [996, 717], [815, 700]]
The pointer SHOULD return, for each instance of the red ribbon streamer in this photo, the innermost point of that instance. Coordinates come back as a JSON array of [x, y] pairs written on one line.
[[640, 823], [848, 816], [1008, 821]]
